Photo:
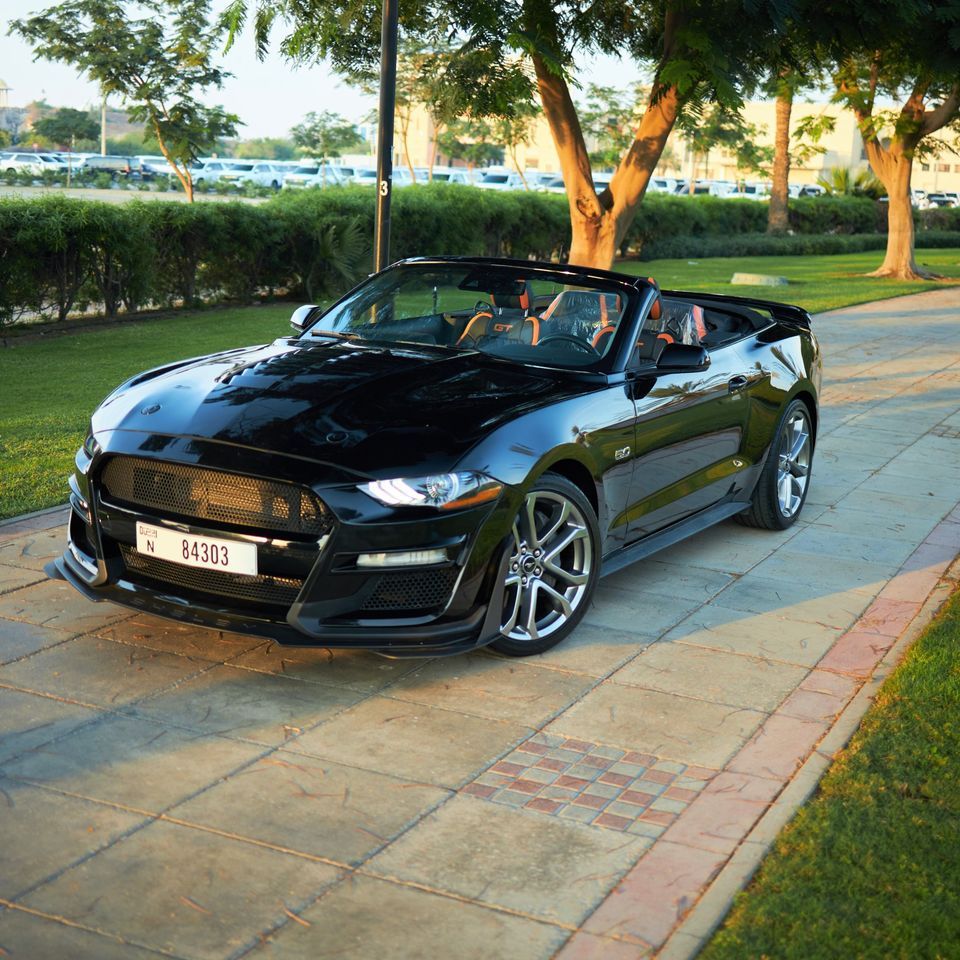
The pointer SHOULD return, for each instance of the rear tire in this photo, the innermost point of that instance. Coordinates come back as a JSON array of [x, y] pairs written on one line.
[[553, 568], [781, 491]]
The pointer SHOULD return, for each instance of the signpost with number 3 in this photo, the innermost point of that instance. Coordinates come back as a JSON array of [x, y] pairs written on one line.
[[388, 94]]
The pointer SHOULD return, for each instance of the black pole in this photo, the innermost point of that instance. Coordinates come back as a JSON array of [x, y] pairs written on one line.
[[388, 97]]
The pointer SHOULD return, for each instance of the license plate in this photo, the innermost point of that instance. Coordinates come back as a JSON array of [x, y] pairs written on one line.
[[210, 553]]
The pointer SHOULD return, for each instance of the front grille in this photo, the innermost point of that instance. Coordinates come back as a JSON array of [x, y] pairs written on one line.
[[423, 590], [260, 589], [214, 496]]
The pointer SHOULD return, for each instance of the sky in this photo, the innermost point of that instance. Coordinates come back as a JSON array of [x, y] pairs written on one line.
[[269, 96]]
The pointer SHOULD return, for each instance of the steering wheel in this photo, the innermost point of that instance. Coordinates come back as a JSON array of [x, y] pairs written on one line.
[[481, 306], [572, 340]]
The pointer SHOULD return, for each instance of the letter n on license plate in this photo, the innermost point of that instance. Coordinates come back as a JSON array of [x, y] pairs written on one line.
[[210, 553]]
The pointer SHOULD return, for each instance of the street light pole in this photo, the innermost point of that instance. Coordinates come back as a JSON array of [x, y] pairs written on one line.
[[388, 97]]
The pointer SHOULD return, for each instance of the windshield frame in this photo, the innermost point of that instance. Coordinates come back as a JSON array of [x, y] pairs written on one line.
[[634, 290]]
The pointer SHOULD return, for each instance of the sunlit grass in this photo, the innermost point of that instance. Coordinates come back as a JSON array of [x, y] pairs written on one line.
[[50, 386], [815, 283]]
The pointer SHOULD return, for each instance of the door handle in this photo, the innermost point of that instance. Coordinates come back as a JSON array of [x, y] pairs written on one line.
[[736, 383]]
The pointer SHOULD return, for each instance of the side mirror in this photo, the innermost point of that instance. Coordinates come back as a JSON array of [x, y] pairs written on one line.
[[683, 358], [301, 316]]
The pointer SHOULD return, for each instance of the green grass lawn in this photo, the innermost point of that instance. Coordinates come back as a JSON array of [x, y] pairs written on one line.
[[49, 386], [870, 868], [816, 283]]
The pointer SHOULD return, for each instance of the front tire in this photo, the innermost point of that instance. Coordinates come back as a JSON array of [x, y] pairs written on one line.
[[553, 568], [782, 488]]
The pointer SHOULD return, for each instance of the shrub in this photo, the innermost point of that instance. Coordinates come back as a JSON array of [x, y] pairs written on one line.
[[59, 253]]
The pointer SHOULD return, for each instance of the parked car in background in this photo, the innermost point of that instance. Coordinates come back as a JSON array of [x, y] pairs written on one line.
[[538, 179], [348, 171], [500, 180], [721, 188], [751, 191], [806, 190], [156, 165], [452, 175], [309, 174], [118, 167], [662, 185], [15, 161], [209, 171], [367, 177], [700, 188], [263, 173], [941, 199]]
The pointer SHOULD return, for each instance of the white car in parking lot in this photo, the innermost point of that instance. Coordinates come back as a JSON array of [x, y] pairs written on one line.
[[367, 176], [15, 161], [209, 171], [263, 173], [313, 175], [500, 180]]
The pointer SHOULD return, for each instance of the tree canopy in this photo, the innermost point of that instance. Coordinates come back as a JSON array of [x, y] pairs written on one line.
[[326, 134], [66, 126], [506, 54], [159, 64], [901, 78]]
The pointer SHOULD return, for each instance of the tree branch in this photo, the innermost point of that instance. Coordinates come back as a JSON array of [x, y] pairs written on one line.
[[567, 134], [940, 116], [874, 79]]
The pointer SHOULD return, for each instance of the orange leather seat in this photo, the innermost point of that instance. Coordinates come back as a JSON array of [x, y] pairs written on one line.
[[509, 317]]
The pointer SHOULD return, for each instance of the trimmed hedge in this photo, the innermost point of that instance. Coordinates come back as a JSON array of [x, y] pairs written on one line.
[[59, 254]]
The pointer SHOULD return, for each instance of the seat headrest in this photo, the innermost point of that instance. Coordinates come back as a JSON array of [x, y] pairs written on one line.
[[520, 301]]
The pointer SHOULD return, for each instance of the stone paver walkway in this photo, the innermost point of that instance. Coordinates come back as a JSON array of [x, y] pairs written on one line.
[[166, 791]]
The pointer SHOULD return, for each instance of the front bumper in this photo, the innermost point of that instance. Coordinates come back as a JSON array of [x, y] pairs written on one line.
[[334, 602]]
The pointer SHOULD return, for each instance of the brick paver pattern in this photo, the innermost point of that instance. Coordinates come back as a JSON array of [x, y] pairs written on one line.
[[592, 783]]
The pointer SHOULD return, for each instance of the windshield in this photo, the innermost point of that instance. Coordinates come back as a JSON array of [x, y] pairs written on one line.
[[536, 318], [309, 171], [496, 178]]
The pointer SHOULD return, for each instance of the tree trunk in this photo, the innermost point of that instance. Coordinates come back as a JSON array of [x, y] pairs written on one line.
[[184, 176], [893, 166], [599, 223], [777, 215]]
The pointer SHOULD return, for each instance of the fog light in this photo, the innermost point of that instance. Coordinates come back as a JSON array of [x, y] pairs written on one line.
[[405, 558]]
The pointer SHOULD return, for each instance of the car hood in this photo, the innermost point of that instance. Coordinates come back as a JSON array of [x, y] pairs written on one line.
[[370, 409]]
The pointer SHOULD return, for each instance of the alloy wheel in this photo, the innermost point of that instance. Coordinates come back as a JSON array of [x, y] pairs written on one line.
[[794, 464], [549, 569]]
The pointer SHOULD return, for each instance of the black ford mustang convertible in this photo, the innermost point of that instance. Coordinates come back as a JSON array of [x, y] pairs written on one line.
[[449, 456]]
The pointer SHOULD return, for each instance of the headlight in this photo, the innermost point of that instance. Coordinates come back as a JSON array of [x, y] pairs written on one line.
[[445, 491]]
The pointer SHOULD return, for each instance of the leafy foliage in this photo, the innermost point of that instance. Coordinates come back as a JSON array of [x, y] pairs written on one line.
[[472, 140], [608, 118], [504, 55], [325, 134], [67, 126], [722, 126], [158, 64], [845, 182]]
